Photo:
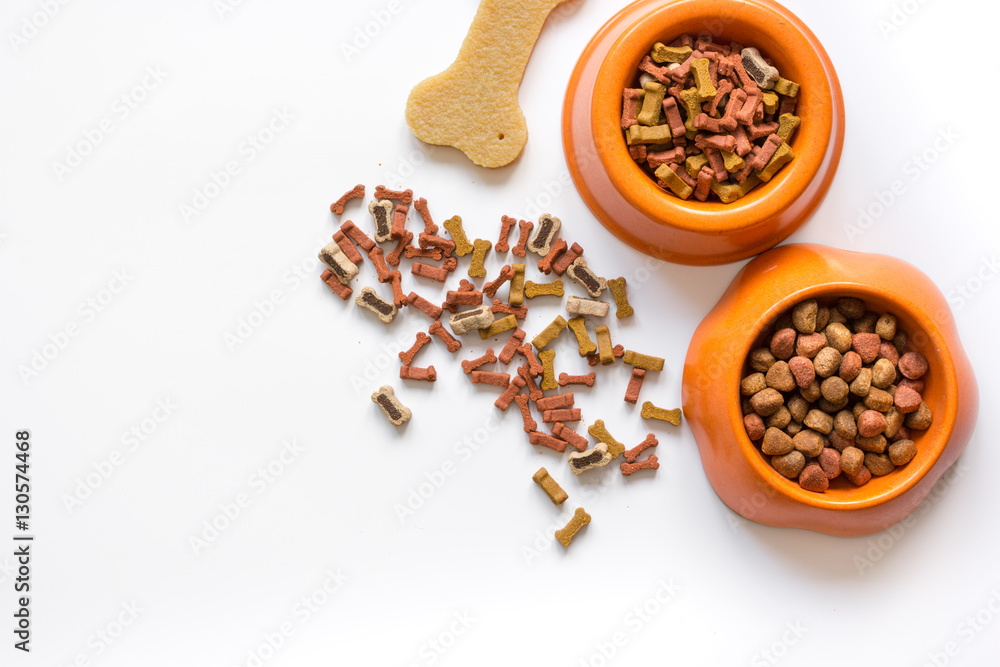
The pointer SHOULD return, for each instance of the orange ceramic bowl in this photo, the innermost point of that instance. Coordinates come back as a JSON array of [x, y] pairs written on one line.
[[627, 200], [770, 285]]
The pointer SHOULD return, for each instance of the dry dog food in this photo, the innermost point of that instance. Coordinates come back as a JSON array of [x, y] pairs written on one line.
[[533, 289], [622, 306], [579, 520], [833, 389], [578, 325], [596, 457], [454, 227], [386, 399], [370, 300], [576, 305], [357, 192], [551, 487], [652, 463], [715, 119], [471, 320], [415, 373], [598, 430], [650, 411]]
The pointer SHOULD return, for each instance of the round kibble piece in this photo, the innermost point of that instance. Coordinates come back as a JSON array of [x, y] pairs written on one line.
[[857, 409], [851, 307], [812, 478], [875, 444], [839, 337], [804, 316], [878, 464], [783, 344], [766, 402], [850, 366], [803, 371], [866, 323], [839, 442], [827, 362], [871, 423], [899, 341], [798, 407], [907, 400], [913, 365], [780, 377], [831, 408], [902, 452], [835, 389], [861, 478], [915, 385], [808, 346], [852, 460], [808, 442], [781, 418], [883, 373], [793, 427], [751, 384], [829, 461], [812, 392], [867, 345], [893, 422], [862, 384], [921, 419], [820, 421], [845, 424], [789, 465], [888, 351], [879, 399], [776, 442], [885, 326], [761, 359], [754, 426], [822, 318]]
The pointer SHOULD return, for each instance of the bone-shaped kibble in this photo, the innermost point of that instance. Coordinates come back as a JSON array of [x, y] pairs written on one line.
[[533, 289], [499, 326], [508, 351], [407, 356], [623, 308], [549, 333], [507, 397], [598, 430], [652, 463], [373, 302], [490, 377], [425, 215], [534, 393], [757, 68], [555, 402], [337, 287], [534, 365], [405, 196], [595, 457], [506, 224], [579, 520], [506, 273], [643, 361], [349, 249], [334, 257], [437, 329], [545, 234], [473, 364], [424, 306], [560, 430], [469, 320], [634, 385], [414, 373], [382, 213], [522, 242], [386, 399], [551, 487], [545, 263], [576, 305], [581, 273], [604, 349], [520, 312], [546, 440], [786, 125], [547, 357], [516, 296], [522, 402], [398, 220], [566, 379], [650, 411], [392, 259], [357, 192], [472, 105], [454, 227], [360, 239], [570, 256], [578, 325], [632, 454], [479, 249]]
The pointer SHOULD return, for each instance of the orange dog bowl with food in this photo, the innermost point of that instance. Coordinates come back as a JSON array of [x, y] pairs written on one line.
[[628, 200]]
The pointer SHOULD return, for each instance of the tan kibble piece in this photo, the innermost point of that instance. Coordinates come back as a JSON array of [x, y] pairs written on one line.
[[533, 289], [878, 399], [598, 430], [866, 324], [818, 420], [780, 377], [921, 419], [893, 422], [473, 319], [789, 465], [505, 323], [622, 307], [702, 79], [845, 424], [861, 385], [652, 103], [851, 307], [902, 452], [875, 444], [804, 316], [473, 105], [579, 520], [644, 361], [549, 380], [852, 460], [776, 442], [781, 418], [808, 442], [670, 54], [766, 402], [650, 411], [396, 412], [545, 233], [550, 332], [878, 464], [577, 305], [785, 87], [578, 325], [551, 487], [838, 337], [604, 347], [340, 266], [827, 362], [793, 427], [657, 134], [885, 327], [454, 227], [761, 359], [385, 310], [596, 457], [479, 249], [835, 390], [883, 373], [787, 124], [590, 281], [811, 393], [516, 297], [382, 215], [798, 407]]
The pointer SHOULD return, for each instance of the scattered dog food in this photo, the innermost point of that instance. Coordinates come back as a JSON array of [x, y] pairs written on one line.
[[830, 390], [551, 487], [386, 399], [579, 520]]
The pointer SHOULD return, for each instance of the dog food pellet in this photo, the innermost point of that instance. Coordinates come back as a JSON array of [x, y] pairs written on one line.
[[634, 385], [643, 361], [393, 258], [507, 397], [551, 487], [632, 454], [473, 364], [578, 326], [437, 329], [576, 305], [564, 432], [423, 305], [561, 415], [499, 326], [506, 273], [398, 298], [852, 410], [454, 227], [414, 373], [604, 348], [579, 520], [598, 430], [479, 249], [373, 302], [555, 402], [814, 478], [337, 287], [407, 356], [534, 365], [581, 273], [336, 259], [547, 357], [386, 399], [516, 297], [550, 332], [650, 411], [545, 234], [534, 393], [471, 320], [571, 255], [530, 424], [360, 239], [533, 289], [437, 273], [491, 378], [357, 192], [623, 308], [545, 263], [468, 297], [596, 457], [425, 215], [652, 463], [382, 213], [546, 440], [566, 380], [506, 224], [515, 340]]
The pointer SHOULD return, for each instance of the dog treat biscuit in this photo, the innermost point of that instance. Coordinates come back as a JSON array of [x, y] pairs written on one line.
[[424, 306], [347, 247], [576, 305], [555, 402], [473, 364], [570, 256], [561, 415], [489, 377], [404, 196], [334, 257], [545, 234], [373, 302], [505, 323], [469, 320], [595, 457], [551, 487], [623, 308], [501, 307], [479, 249], [604, 349], [550, 332], [545, 263], [407, 356], [598, 431], [472, 105], [581, 273], [534, 393], [506, 224], [360, 239], [547, 357], [437, 273], [564, 432], [578, 325], [382, 212], [522, 242], [515, 341], [386, 399], [652, 463], [579, 520], [337, 287], [533, 289], [425, 215], [414, 373], [507, 397], [357, 192], [437, 329], [566, 379], [632, 454], [516, 296], [634, 385], [534, 365], [650, 411], [490, 288], [546, 440], [530, 424], [644, 361], [454, 227]]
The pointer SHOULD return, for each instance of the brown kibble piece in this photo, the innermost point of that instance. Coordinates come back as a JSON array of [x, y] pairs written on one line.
[[852, 460], [754, 426], [506, 224], [850, 366], [804, 316], [879, 399], [622, 307], [522, 403], [827, 362], [634, 385], [809, 442], [407, 356], [780, 377], [752, 384], [545, 263], [423, 305], [534, 393], [902, 452], [834, 390], [551, 487], [564, 432], [515, 340], [650, 411], [829, 461], [878, 464], [875, 444], [819, 421], [652, 463], [588, 379], [789, 465], [783, 344], [851, 307], [766, 402], [415, 373], [808, 345], [776, 442], [579, 520], [473, 364], [567, 258], [781, 418], [761, 359], [546, 440], [920, 419], [450, 342], [521, 248], [814, 478], [862, 477], [507, 397], [862, 384], [885, 327], [883, 373], [506, 273], [357, 192], [839, 337], [907, 400], [632, 454], [871, 423]]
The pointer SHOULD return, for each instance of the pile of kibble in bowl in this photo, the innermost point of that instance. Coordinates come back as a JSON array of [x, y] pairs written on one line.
[[836, 390], [709, 120]]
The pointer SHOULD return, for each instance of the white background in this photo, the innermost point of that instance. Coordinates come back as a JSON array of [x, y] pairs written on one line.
[[479, 548]]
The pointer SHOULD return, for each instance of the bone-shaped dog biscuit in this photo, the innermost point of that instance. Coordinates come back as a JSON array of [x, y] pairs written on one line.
[[473, 105]]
